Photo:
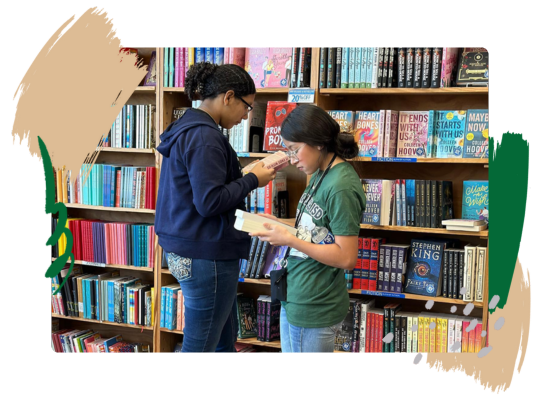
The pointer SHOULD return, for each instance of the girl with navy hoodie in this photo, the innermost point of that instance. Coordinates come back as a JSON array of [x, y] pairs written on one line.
[[200, 187]]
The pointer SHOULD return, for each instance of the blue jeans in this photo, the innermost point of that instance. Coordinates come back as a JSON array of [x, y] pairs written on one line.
[[209, 288], [295, 339]]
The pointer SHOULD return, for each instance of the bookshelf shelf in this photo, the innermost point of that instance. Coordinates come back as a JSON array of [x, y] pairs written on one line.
[[173, 90], [145, 89], [117, 209], [117, 266], [139, 327], [481, 161], [276, 344], [408, 92], [413, 229], [122, 150]]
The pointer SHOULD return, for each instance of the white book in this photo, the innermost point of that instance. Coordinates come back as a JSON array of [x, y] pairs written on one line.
[[375, 67], [249, 222], [458, 333], [466, 228], [464, 222], [481, 256], [382, 123], [364, 309], [469, 272], [451, 334]]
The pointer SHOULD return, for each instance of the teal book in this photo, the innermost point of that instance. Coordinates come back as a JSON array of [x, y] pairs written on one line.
[[477, 134], [475, 200], [166, 68], [450, 132], [163, 305], [431, 143], [352, 66], [363, 68], [345, 67], [369, 66], [171, 66], [358, 68]]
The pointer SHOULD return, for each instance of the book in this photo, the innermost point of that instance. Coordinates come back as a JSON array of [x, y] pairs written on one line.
[[449, 133], [276, 161], [276, 112], [345, 119], [256, 64], [448, 66], [281, 58], [246, 313], [473, 67], [366, 132], [475, 203], [344, 338], [249, 222], [413, 134], [424, 274], [476, 143]]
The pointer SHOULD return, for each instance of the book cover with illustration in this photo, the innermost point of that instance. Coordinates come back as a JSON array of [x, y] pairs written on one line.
[[476, 134], [424, 267], [276, 112], [345, 119], [247, 317], [257, 64], [373, 190], [449, 133], [412, 134], [475, 200], [366, 132], [279, 70]]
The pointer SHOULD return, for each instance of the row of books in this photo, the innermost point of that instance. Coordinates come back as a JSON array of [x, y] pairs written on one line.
[[424, 203], [259, 320], [177, 61], [418, 134], [172, 307], [133, 128], [88, 341], [263, 258], [103, 297], [365, 327], [103, 243], [271, 199], [108, 185]]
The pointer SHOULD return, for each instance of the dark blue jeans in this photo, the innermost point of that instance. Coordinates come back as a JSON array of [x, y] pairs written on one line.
[[209, 288]]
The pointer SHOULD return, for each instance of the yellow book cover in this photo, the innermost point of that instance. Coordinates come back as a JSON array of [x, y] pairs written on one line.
[[444, 335], [432, 335], [438, 337], [421, 334], [191, 54], [415, 336], [426, 335], [64, 185], [472, 341], [152, 294]]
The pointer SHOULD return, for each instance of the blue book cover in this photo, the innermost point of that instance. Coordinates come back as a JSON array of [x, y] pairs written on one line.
[[373, 191], [475, 200], [124, 123], [112, 196], [352, 66], [398, 202], [98, 314], [168, 308], [166, 67], [99, 184], [110, 300], [219, 55], [105, 198], [137, 246], [128, 126], [449, 133], [410, 188], [345, 67], [209, 55], [358, 68], [431, 143], [424, 267], [477, 134], [369, 66], [162, 315], [199, 54]]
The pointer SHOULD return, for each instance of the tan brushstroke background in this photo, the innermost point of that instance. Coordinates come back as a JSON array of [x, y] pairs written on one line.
[[67, 95], [495, 370]]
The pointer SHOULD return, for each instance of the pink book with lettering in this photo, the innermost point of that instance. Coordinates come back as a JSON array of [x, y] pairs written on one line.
[[412, 134], [182, 67], [238, 56], [391, 133], [257, 64], [186, 62], [281, 61], [366, 132], [177, 66], [448, 65]]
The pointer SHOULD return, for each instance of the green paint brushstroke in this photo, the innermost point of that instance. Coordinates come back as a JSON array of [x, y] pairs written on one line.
[[509, 175], [52, 208]]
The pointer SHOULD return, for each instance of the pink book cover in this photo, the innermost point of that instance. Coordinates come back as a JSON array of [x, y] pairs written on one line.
[[107, 247], [182, 67], [113, 244], [448, 65], [226, 55], [186, 62], [257, 64], [279, 67], [478, 337], [391, 133], [238, 56], [176, 66], [412, 134], [366, 132], [380, 143]]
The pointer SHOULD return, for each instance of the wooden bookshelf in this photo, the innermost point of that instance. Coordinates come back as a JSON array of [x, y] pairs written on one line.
[[461, 91], [139, 327], [483, 161], [414, 229], [122, 150], [145, 89], [116, 209], [115, 266]]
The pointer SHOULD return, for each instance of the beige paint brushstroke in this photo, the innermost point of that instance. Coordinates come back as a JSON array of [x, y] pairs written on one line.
[[495, 370], [70, 94]]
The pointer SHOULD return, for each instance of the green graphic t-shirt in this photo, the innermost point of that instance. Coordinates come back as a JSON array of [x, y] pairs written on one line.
[[317, 294]]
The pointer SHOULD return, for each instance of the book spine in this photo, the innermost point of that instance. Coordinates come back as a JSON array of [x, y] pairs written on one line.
[[401, 62], [426, 67], [373, 264], [446, 256], [323, 69], [400, 269], [436, 60], [480, 266], [380, 65], [386, 329], [344, 67], [357, 67], [366, 258], [391, 61], [294, 72], [331, 69], [380, 275], [337, 67], [461, 267], [393, 271], [385, 67], [387, 268], [417, 74]]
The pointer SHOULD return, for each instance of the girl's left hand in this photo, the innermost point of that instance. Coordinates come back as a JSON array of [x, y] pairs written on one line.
[[276, 235]]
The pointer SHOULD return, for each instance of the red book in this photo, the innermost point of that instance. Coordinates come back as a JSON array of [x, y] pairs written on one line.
[[373, 333], [366, 258], [357, 272], [373, 264], [368, 332], [276, 112], [381, 325], [118, 186], [478, 337], [465, 338]]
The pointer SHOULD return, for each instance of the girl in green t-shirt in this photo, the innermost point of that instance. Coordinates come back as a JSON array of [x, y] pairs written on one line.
[[328, 222]]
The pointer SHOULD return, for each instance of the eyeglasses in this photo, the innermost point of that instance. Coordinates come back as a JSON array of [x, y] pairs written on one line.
[[249, 108], [293, 153]]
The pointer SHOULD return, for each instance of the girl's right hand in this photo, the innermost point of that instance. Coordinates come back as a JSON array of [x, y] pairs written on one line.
[[269, 216], [263, 174]]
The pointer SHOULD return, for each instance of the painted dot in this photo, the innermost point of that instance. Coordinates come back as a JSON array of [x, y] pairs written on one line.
[[388, 338], [468, 308], [453, 309], [463, 291], [484, 352], [417, 358], [494, 301], [430, 304], [414, 328], [499, 324], [484, 333], [472, 325], [455, 347], [432, 325]]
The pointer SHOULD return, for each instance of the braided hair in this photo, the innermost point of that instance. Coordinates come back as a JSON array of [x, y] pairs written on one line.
[[205, 81]]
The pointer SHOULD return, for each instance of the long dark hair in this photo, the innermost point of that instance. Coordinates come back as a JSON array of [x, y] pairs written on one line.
[[312, 125], [205, 81]]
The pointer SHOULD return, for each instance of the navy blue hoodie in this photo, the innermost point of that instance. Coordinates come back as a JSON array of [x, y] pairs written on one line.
[[200, 187]]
